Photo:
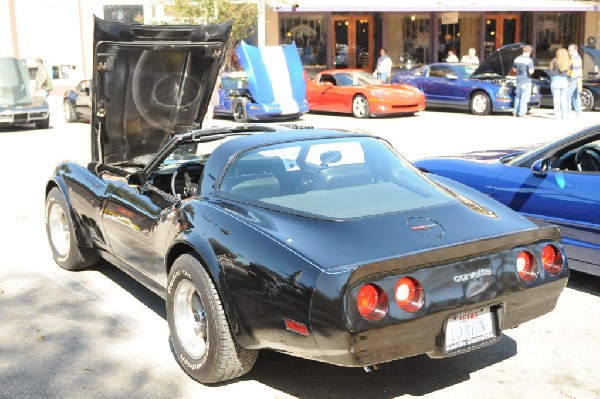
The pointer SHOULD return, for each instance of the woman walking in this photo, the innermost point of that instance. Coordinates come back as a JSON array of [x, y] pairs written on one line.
[[559, 70]]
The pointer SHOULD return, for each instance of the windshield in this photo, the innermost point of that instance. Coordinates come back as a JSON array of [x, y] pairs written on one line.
[[356, 79], [317, 176], [464, 71], [14, 82], [234, 82]]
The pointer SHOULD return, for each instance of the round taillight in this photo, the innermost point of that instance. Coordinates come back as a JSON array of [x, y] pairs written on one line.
[[409, 294], [552, 259], [527, 266], [371, 302]]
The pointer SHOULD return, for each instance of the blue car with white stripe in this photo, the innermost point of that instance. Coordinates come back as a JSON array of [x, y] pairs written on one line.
[[271, 85]]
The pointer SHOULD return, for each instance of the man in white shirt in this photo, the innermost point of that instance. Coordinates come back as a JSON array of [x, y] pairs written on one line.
[[383, 70]]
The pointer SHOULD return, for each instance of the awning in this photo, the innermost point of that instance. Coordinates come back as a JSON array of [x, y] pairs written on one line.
[[305, 6]]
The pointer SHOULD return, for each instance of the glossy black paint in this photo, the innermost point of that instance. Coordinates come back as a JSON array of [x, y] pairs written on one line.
[[270, 265]]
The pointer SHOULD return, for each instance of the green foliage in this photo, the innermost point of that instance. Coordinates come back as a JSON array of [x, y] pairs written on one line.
[[245, 14]]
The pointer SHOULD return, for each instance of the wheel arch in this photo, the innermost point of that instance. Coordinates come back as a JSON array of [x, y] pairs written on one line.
[[208, 259], [83, 239]]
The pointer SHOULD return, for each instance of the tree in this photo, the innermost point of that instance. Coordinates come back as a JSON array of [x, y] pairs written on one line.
[[244, 13]]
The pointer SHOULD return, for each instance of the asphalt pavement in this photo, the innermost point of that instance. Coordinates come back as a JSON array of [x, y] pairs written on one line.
[[98, 333]]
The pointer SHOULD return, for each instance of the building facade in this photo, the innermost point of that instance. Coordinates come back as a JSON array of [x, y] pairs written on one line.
[[346, 34], [329, 34]]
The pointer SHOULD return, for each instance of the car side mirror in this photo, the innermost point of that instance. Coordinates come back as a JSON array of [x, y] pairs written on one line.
[[328, 84], [451, 76], [540, 167], [136, 179]]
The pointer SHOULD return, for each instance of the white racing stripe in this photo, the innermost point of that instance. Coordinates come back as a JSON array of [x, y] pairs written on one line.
[[277, 70]]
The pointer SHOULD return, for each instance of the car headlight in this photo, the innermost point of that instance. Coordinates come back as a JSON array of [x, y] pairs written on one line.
[[503, 91]]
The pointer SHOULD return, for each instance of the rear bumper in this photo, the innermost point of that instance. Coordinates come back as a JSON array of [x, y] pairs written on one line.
[[425, 335]]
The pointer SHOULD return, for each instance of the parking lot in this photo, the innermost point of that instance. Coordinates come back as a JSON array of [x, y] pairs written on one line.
[[98, 333]]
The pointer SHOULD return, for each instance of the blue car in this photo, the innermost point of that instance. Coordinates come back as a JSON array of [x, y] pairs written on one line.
[[271, 86], [556, 184], [480, 89]]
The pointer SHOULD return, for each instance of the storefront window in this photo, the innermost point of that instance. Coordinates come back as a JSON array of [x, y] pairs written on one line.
[[309, 32], [407, 38], [554, 30]]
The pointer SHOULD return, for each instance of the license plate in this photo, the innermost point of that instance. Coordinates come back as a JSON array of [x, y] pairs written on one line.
[[6, 119], [469, 328]]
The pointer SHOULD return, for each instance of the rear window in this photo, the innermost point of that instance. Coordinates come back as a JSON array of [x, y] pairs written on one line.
[[333, 178]]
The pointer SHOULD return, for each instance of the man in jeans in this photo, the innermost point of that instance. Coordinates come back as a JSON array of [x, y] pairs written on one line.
[[523, 66], [575, 79]]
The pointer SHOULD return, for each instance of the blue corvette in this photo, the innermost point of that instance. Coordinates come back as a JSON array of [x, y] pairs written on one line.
[[271, 86], [557, 184], [480, 89]]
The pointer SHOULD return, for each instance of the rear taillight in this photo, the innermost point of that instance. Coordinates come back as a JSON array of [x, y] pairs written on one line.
[[552, 259], [409, 294], [527, 267], [372, 302]]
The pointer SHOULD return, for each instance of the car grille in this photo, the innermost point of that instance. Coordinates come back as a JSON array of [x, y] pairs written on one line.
[[20, 118]]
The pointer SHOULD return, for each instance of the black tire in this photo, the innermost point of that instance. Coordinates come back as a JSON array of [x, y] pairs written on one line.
[[202, 340], [61, 235], [69, 112], [45, 124], [360, 107], [239, 111], [587, 100], [480, 104]]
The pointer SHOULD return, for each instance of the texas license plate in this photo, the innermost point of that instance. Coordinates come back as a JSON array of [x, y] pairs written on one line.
[[469, 328]]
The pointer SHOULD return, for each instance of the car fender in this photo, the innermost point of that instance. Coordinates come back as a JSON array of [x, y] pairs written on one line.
[[82, 234], [256, 299]]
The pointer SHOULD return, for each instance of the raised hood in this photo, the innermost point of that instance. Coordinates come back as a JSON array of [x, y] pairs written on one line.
[[500, 61], [151, 81], [275, 76]]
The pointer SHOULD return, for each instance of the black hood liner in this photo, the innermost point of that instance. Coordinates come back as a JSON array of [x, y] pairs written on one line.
[[500, 61], [150, 82]]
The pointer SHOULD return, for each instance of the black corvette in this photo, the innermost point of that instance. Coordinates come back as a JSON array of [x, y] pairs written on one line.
[[322, 244]]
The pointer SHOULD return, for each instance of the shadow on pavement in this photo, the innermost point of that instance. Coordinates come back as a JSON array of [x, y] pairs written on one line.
[[415, 376], [584, 283]]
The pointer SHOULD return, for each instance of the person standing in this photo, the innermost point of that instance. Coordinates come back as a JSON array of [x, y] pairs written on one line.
[[471, 57], [575, 79], [384, 67], [43, 84], [559, 70], [451, 55], [523, 66]]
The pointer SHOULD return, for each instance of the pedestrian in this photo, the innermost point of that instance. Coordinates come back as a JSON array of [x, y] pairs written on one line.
[[384, 67], [523, 66], [559, 70], [471, 57], [451, 55], [575, 79], [43, 83]]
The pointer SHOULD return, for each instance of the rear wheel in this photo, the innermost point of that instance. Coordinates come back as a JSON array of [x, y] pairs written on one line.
[[360, 106], [61, 235], [69, 112], [240, 113], [480, 104], [202, 339], [587, 100]]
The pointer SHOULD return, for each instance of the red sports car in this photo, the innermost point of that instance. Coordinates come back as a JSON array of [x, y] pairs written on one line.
[[358, 92]]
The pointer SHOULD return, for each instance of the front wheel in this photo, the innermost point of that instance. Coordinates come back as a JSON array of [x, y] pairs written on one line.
[[61, 235], [45, 124], [360, 107], [202, 339], [480, 104], [240, 113], [69, 112], [587, 100]]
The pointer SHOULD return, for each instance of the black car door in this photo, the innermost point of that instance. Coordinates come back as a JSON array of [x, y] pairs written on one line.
[[137, 221]]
